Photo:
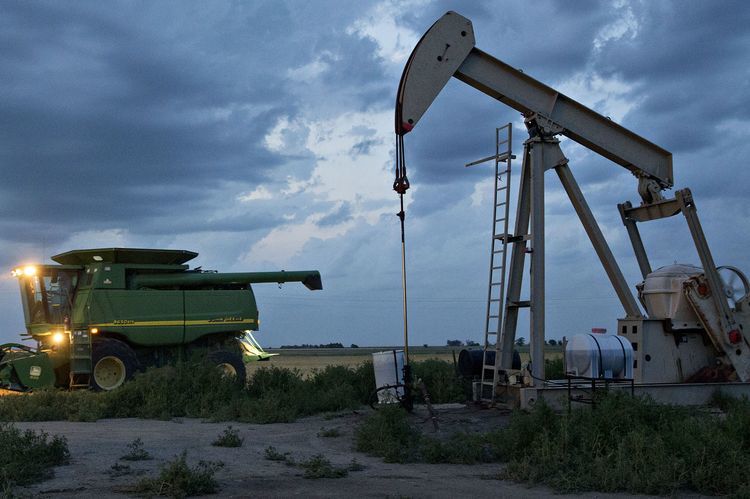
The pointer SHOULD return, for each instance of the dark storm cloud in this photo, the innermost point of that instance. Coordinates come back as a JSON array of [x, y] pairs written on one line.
[[688, 65], [131, 115], [691, 64], [549, 39]]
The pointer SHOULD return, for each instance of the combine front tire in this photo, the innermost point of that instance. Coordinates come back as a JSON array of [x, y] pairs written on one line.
[[230, 363], [113, 362]]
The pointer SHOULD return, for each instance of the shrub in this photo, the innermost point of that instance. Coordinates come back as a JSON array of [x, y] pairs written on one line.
[[387, 434], [329, 433], [177, 479], [272, 454], [229, 438], [319, 466], [136, 452], [28, 456], [441, 380], [194, 389], [624, 444]]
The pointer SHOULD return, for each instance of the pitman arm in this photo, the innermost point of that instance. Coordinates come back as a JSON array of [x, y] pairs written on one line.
[[447, 49]]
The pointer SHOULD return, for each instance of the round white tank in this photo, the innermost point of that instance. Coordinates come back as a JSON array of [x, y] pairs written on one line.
[[662, 295], [599, 356]]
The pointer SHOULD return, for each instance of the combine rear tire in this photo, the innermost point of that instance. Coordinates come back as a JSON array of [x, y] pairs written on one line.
[[230, 364], [113, 362]]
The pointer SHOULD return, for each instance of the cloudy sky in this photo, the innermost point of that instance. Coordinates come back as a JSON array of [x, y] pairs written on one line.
[[260, 134]]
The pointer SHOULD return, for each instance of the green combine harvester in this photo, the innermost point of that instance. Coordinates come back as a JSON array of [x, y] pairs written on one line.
[[103, 314]]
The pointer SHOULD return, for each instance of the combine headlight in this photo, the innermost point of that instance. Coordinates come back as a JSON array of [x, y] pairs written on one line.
[[58, 338], [23, 271]]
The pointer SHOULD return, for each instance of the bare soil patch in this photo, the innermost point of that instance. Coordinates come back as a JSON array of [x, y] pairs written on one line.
[[96, 447]]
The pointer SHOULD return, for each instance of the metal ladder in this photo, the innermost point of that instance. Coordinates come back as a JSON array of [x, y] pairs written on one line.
[[498, 259], [80, 359]]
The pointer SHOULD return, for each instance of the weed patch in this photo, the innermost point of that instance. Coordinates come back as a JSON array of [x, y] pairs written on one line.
[[272, 454], [189, 389], [28, 456], [319, 466], [178, 479], [329, 433], [443, 383], [136, 452], [118, 470], [230, 437], [624, 445]]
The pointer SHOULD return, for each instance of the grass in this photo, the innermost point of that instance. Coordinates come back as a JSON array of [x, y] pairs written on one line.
[[28, 456], [329, 432], [271, 395], [319, 466], [136, 452], [118, 470], [230, 437], [272, 454], [177, 479], [626, 444]]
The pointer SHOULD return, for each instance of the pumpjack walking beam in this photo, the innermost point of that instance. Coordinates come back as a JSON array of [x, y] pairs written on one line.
[[447, 50]]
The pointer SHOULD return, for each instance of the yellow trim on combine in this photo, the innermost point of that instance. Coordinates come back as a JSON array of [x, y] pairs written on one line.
[[208, 322]]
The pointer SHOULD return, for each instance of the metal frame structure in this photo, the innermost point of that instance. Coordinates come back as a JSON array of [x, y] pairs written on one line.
[[447, 50], [498, 250]]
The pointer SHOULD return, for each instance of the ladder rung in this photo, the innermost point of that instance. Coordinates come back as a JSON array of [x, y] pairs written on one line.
[[510, 238], [493, 316], [519, 304]]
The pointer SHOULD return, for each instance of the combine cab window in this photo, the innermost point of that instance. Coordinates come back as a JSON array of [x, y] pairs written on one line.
[[48, 297]]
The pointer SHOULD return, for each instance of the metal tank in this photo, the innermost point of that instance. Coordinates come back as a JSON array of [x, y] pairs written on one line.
[[663, 296], [595, 355]]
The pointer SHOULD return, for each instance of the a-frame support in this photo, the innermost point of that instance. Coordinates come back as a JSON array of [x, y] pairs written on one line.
[[541, 153]]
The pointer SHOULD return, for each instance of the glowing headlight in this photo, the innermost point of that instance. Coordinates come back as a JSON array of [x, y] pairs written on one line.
[[30, 270], [58, 338]]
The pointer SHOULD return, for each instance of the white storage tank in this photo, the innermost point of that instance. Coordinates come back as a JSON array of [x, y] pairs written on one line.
[[662, 295], [595, 355], [389, 372]]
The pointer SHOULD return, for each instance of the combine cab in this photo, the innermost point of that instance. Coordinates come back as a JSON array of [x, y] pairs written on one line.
[[102, 314]]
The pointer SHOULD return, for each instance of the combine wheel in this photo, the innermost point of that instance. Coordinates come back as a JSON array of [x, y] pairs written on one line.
[[113, 363], [230, 363]]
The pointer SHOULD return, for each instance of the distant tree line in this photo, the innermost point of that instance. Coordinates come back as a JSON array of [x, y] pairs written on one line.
[[322, 345], [459, 343], [520, 341]]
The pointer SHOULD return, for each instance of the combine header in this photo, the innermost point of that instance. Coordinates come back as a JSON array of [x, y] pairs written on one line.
[[102, 314]]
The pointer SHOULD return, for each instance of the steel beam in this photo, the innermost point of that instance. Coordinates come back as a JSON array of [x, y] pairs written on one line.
[[536, 340], [726, 318], [635, 239], [517, 261], [590, 129], [598, 242]]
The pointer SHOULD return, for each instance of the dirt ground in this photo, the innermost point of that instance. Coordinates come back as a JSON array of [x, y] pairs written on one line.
[[95, 447]]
